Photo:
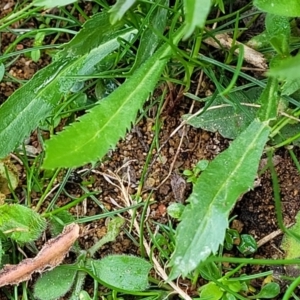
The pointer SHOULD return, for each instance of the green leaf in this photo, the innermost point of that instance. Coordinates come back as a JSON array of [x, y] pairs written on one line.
[[232, 173], [269, 291], [2, 71], [287, 69], [289, 8], [55, 283], [211, 292], [21, 223], [196, 12], [279, 31], [122, 272], [119, 9], [149, 39], [52, 3], [289, 244], [35, 101], [247, 245], [269, 100], [175, 210], [229, 121], [96, 132], [290, 87]]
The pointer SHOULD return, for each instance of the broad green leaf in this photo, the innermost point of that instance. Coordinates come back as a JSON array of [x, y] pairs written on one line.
[[55, 283], [21, 223], [205, 218], [35, 101], [289, 8], [229, 121], [119, 9], [123, 272], [269, 291], [279, 30], [95, 30], [196, 12], [269, 100], [211, 291], [52, 3], [287, 69], [149, 40], [99, 130], [290, 87]]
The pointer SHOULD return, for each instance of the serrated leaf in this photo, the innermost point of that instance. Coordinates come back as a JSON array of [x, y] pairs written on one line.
[[95, 133], [289, 8], [205, 219], [55, 283], [229, 121], [123, 272], [196, 12], [52, 3], [24, 109], [119, 9], [21, 223]]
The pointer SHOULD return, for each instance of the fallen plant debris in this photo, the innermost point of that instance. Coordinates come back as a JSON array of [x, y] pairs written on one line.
[[50, 256]]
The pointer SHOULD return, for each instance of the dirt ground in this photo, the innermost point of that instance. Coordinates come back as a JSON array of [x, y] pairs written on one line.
[[255, 212]]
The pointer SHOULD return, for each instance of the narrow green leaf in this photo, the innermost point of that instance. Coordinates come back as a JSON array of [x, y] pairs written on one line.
[[123, 272], [289, 8], [287, 69], [52, 3], [196, 12], [150, 40], [205, 219], [269, 100], [55, 283], [24, 109], [119, 9], [2, 71], [21, 223], [100, 129], [94, 31]]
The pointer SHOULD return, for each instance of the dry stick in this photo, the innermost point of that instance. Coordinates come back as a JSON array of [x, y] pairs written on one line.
[[160, 271], [250, 55], [50, 256], [271, 236]]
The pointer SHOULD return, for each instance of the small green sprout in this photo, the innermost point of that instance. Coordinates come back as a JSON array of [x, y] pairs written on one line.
[[193, 174]]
